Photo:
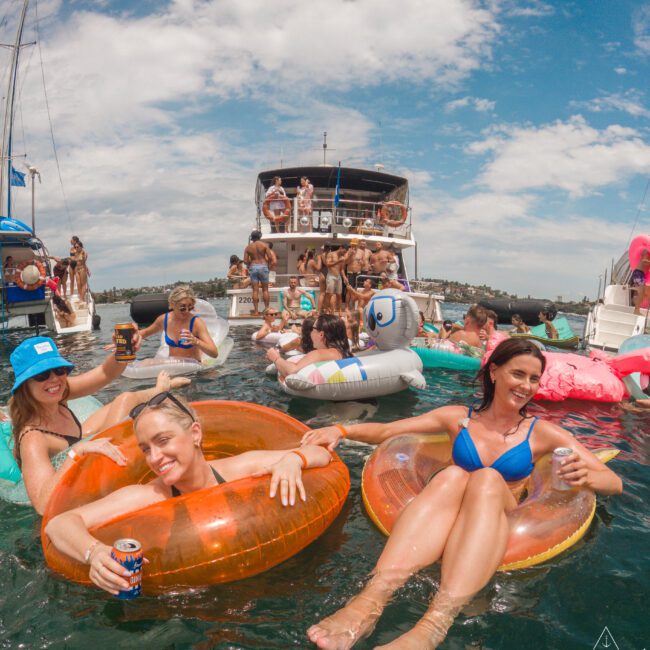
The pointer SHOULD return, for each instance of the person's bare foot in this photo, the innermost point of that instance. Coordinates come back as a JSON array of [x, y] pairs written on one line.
[[164, 382], [428, 634], [346, 626]]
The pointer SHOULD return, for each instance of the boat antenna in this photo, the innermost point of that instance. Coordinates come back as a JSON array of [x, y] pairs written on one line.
[[49, 118], [640, 209], [326, 148]]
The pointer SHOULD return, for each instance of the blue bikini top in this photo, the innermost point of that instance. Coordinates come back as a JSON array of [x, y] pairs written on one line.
[[513, 465], [177, 344]]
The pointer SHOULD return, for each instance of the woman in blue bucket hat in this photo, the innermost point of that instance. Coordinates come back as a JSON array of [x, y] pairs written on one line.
[[44, 425]]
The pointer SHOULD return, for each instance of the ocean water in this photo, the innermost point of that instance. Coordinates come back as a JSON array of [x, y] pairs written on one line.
[[602, 582]]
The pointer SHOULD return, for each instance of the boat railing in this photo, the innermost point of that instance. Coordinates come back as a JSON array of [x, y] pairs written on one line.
[[349, 216]]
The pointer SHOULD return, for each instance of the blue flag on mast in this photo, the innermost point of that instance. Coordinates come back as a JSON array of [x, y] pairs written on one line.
[[17, 178], [337, 196]]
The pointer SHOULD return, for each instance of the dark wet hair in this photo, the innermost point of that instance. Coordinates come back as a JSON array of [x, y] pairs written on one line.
[[307, 326], [336, 336], [255, 235], [504, 352], [549, 312], [60, 303], [234, 259]]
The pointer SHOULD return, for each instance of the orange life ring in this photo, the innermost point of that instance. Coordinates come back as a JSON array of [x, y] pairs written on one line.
[[18, 275], [223, 533], [393, 223], [280, 218]]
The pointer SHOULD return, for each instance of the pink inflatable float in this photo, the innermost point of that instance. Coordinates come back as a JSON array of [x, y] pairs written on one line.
[[596, 377]]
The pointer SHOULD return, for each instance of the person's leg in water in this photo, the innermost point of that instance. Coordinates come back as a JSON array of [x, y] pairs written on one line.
[[117, 410], [417, 540], [473, 552]]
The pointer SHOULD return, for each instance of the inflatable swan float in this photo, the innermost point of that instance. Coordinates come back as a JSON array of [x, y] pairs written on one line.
[[391, 319]]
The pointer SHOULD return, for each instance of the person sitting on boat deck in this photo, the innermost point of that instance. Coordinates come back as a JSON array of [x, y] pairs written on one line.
[[268, 326], [186, 334], [387, 283], [380, 259], [640, 281], [335, 262], [43, 424], [519, 325], [63, 311], [9, 270], [330, 344], [460, 515], [361, 296], [547, 317], [292, 299], [258, 256], [473, 322], [169, 435], [276, 191], [238, 273]]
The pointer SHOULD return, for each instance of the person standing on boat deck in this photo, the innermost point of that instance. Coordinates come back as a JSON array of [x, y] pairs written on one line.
[[72, 269], [273, 264], [393, 265], [305, 193], [380, 259], [277, 207], [82, 273], [312, 270], [321, 267], [60, 270], [186, 334], [292, 299], [258, 256], [640, 281], [335, 262], [546, 317], [9, 269], [353, 267], [474, 321]]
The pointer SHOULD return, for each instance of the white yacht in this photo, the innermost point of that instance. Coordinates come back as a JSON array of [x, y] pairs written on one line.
[[371, 205], [612, 318]]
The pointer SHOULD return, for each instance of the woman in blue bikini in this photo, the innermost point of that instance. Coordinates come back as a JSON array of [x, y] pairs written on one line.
[[460, 516], [185, 333]]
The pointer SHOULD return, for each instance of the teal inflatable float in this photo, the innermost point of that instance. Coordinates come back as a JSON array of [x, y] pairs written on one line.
[[435, 356]]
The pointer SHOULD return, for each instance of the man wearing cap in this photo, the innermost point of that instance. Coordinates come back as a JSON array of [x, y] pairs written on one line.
[[258, 257]]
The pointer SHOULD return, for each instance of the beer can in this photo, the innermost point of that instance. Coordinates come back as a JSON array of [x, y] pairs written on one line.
[[559, 455], [124, 350], [128, 552]]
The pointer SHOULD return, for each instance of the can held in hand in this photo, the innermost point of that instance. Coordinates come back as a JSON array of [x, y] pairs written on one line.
[[559, 454], [128, 552], [124, 350]]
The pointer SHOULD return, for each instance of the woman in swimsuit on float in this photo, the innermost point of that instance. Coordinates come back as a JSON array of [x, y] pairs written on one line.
[[460, 516], [43, 424], [186, 335]]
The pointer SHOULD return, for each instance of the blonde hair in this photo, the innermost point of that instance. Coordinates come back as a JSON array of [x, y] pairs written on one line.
[[25, 413], [179, 293], [172, 412]]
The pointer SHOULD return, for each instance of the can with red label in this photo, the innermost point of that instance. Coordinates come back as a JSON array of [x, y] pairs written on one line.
[[128, 552], [124, 350], [559, 454]]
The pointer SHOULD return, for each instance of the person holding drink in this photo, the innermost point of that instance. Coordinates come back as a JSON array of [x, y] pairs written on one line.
[[460, 516], [185, 333], [43, 424]]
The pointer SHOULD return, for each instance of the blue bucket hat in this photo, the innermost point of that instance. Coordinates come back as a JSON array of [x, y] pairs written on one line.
[[33, 356]]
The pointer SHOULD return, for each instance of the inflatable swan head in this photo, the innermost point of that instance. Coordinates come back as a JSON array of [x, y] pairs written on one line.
[[391, 318]]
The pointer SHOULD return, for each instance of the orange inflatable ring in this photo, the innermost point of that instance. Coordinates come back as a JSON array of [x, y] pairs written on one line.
[[18, 275], [223, 533], [546, 522], [280, 218], [384, 214]]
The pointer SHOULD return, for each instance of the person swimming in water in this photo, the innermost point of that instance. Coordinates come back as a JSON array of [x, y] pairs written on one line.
[[460, 516]]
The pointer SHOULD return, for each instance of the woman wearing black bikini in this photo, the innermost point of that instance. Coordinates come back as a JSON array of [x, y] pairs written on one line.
[[72, 268], [44, 425]]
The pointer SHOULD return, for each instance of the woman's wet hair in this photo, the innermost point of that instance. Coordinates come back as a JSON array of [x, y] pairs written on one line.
[[504, 352], [180, 293], [59, 303], [307, 326], [336, 337]]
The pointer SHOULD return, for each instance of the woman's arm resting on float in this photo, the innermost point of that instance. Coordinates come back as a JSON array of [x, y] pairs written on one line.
[[436, 421], [582, 468], [289, 368]]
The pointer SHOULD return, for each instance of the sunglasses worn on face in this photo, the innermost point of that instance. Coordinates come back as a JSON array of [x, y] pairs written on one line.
[[185, 307], [155, 401], [59, 372]]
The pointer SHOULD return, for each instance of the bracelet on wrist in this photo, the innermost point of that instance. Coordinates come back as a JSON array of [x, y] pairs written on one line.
[[74, 456], [342, 429], [89, 551], [302, 457]]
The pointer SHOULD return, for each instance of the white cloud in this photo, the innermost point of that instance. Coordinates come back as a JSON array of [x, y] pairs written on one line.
[[620, 70], [532, 8], [628, 102], [641, 28], [571, 156], [478, 104]]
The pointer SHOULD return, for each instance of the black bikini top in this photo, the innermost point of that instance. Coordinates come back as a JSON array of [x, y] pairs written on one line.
[[220, 479]]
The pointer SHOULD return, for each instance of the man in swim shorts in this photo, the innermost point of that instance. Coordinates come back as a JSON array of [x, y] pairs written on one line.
[[380, 259], [335, 262], [257, 257], [292, 299]]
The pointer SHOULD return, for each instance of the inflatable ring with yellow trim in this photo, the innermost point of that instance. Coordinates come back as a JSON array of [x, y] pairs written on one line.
[[546, 523], [220, 534]]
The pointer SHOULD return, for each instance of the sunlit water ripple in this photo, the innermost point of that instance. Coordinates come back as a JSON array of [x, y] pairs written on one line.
[[564, 604]]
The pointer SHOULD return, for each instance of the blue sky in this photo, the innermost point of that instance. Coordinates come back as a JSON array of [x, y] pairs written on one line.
[[521, 126]]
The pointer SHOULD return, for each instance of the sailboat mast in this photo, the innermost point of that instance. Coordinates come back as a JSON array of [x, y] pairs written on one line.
[[7, 131]]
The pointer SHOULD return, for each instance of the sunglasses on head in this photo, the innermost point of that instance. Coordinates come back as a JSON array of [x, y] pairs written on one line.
[[155, 401], [59, 372]]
